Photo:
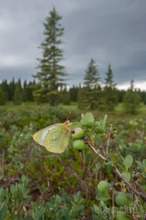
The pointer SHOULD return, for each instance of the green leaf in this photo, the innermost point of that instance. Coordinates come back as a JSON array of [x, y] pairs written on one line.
[[127, 175], [87, 119], [96, 209], [129, 198], [128, 161], [75, 125], [140, 165], [102, 196], [121, 216], [104, 121], [144, 163], [3, 210], [99, 123], [102, 204], [99, 130]]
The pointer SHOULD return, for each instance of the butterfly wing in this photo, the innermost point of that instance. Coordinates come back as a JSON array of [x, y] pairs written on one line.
[[40, 135], [57, 139], [54, 138]]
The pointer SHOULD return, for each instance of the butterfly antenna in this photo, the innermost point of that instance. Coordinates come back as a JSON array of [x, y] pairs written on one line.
[[70, 115]]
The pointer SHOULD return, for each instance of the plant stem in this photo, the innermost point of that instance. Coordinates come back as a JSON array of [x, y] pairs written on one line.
[[140, 193], [96, 151]]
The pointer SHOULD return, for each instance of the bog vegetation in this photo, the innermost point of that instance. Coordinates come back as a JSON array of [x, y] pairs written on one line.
[[77, 184], [102, 172]]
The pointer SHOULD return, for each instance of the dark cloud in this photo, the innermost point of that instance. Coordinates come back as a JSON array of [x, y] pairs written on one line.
[[108, 31]]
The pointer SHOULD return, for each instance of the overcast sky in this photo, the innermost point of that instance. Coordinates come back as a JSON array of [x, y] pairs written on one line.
[[109, 31]]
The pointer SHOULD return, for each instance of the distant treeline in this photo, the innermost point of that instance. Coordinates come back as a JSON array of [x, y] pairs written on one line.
[[18, 92]]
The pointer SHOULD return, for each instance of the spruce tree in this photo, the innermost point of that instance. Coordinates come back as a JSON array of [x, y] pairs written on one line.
[[73, 92], [131, 100], [109, 82], [30, 89], [18, 93], [5, 88], [11, 87], [51, 75], [25, 92], [88, 97], [110, 91], [64, 96], [91, 77], [2, 96]]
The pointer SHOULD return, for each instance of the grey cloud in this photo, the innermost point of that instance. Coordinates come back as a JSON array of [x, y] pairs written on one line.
[[108, 31]]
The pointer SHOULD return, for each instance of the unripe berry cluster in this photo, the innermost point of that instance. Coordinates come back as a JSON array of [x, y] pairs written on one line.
[[77, 136]]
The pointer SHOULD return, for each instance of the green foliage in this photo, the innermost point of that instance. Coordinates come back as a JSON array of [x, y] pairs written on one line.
[[2, 97], [59, 208], [14, 91], [91, 78], [103, 186], [110, 92], [92, 96], [14, 202], [73, 93], [11, 89], [109, 82], [121, 199], [131, 139], [88, 94], [110, 98], [128, 161], [131, 100], [67, 185], [27, 91], [64, 96], [18, 93], [4, 90]]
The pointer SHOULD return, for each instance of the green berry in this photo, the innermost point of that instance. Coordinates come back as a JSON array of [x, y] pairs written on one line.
[[77, 133], [79, 145], [121, 199], [103, 186]]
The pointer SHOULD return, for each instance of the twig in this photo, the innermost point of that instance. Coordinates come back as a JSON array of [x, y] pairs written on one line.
[[139, 194], [96, 151], [107, 145]]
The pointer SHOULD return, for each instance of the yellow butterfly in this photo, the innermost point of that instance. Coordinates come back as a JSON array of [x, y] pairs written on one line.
[[54, 138]]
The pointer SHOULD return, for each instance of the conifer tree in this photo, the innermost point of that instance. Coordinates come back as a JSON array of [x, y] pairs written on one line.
[[64, 96], [25, 95], [2, 96], [110, 92], [88, 97], [51, 75], [5, 89], [30, 89], [131, 100], [109, 82], [73, 92], [18, 93], [91, 78], [12, 86]]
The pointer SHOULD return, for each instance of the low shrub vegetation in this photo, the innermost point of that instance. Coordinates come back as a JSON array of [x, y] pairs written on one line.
[[100, 175]]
